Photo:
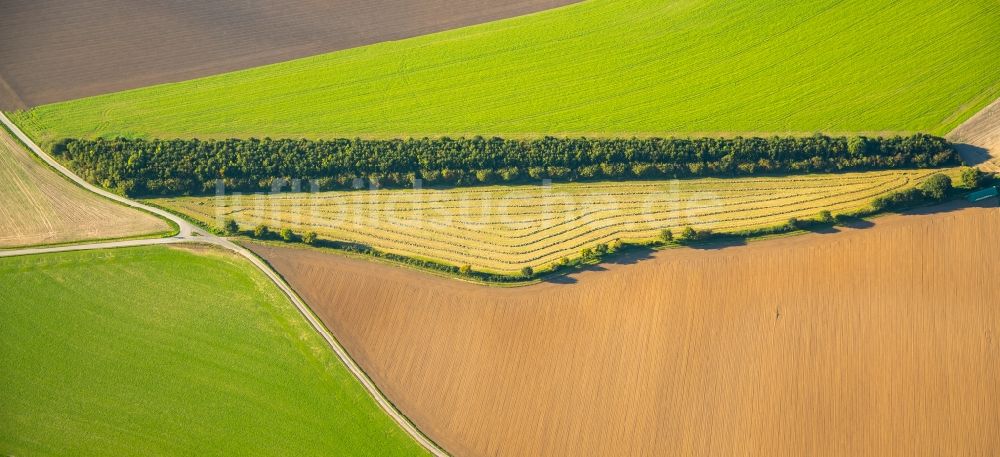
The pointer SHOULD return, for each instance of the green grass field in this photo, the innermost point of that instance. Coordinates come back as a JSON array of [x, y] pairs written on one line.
[[601, 67], [159, 351]]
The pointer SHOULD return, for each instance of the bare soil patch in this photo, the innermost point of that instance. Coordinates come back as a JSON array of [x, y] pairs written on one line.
[[38, 206], [869, 341], [978, 139], [55, 50]]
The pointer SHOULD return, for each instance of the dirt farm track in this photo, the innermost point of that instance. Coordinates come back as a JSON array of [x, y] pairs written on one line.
[[871, 341], [55, 50]]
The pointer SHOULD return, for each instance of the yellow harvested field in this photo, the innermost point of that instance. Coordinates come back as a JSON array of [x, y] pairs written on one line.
[[503, 229], [37, 206], [880, 341]]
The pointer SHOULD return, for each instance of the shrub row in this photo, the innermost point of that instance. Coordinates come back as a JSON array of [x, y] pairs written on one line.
[[177, 167]]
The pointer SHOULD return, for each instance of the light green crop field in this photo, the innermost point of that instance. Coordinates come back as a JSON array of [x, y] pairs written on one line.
[[503, 228], [601, 67], [161, 351]]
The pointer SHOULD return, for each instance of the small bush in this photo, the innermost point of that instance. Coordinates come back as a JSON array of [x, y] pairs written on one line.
[[465, 269], [973, 178], [666, 235], [230, 226], [510, 174], [937, 187], [690, 234], [898, 200], [527, 272], [309, 238], [261, 232], [485, 176]]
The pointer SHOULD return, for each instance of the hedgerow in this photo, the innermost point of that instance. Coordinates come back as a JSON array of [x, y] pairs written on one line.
[[189, 167]]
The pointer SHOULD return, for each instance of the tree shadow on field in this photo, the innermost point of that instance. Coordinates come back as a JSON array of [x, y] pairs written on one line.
[[569, 276], [972, 155], [631, 256], [952, 206], [855, 222], [823, 230], [562, 279], [628, 256], [719, 243]]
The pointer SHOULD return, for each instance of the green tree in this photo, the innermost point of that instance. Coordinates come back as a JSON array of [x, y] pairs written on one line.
[[309, 238], [666, 235], [287, 234], [860, 146], [689, 234], [465, 269], [601, 249], [937, 187], [230, 226], [825, 217], [527, 272], [972, 177], [510, 174], [485, 176], [900, 199], [261, 232]]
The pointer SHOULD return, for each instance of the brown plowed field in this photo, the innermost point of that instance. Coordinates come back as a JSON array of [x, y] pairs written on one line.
[[871, 341], [54, 50]]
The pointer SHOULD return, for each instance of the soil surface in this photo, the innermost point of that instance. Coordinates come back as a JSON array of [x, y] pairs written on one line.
[[878, 339], [55, 50], [38, 206], [978, 139]]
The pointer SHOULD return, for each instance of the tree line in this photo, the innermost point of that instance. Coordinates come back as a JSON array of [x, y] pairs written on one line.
[[182, 167]]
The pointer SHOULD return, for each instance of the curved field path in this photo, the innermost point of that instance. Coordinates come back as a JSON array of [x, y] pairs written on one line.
[[870, 341]]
